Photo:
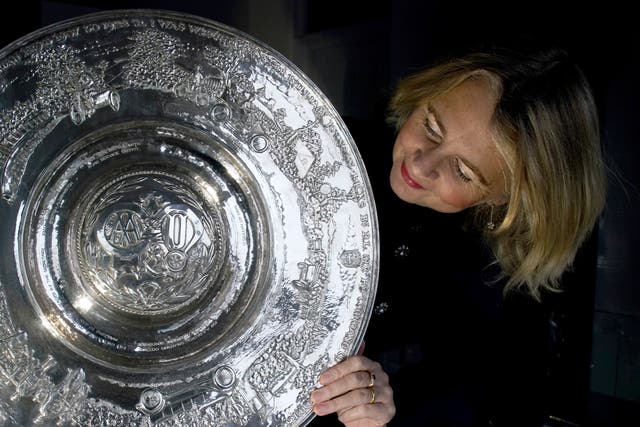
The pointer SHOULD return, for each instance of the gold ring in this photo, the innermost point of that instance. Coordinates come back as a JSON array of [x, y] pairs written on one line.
[[372, 379], [373, 396]]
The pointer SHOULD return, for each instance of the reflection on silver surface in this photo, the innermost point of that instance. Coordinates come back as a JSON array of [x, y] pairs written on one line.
[[188, 237]]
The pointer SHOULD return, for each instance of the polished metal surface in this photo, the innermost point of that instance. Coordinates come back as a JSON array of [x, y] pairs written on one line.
[[188, 234]]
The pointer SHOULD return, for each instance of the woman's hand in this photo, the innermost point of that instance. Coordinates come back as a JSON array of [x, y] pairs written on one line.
[[358, 390]]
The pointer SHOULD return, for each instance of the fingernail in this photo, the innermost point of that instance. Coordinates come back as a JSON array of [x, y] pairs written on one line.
[[318, 396], [327, 377], [320, 409]]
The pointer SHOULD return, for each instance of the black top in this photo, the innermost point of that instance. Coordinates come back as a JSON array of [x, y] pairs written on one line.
[[457, 352]]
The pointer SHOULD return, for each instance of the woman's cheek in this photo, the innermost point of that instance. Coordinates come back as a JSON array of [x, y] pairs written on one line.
[[458, 199]]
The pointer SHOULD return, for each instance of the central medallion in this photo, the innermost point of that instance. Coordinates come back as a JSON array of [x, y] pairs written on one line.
[[147, 244]]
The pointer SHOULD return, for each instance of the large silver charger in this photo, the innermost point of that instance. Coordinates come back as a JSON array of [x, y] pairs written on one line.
[[188, 233]]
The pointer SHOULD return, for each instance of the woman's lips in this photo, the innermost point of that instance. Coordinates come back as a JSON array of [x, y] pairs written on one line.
[[407, 178]]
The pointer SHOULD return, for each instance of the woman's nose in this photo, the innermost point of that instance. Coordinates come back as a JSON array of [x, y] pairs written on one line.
[[427, 162]]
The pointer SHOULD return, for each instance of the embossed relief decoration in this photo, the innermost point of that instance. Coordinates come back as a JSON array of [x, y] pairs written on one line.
[[188, 237]]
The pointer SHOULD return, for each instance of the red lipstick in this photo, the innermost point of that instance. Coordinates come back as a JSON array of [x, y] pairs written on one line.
[[407, 178]]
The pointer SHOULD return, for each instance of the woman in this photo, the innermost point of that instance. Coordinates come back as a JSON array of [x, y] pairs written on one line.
[[513, 137]]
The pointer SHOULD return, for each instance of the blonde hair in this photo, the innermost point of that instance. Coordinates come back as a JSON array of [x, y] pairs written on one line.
[[546, 129]]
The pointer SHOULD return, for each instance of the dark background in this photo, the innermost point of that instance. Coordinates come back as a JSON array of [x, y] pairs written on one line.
[[355, 51]]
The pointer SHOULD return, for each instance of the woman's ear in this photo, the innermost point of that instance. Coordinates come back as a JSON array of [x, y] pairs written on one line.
[[502, 200], [497, 200]]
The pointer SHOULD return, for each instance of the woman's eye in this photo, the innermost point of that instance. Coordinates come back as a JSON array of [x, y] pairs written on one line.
[[461, 174], [430, 130]]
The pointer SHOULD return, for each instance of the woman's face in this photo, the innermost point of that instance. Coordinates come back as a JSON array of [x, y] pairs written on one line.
[[444, 157]]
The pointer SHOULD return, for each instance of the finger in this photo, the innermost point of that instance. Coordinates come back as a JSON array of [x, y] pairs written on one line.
[[351, 381], [361, 348], [352, 364], [380, 413], [357, 397]]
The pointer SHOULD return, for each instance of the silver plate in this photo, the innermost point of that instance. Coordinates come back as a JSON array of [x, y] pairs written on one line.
[[188, 234]]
